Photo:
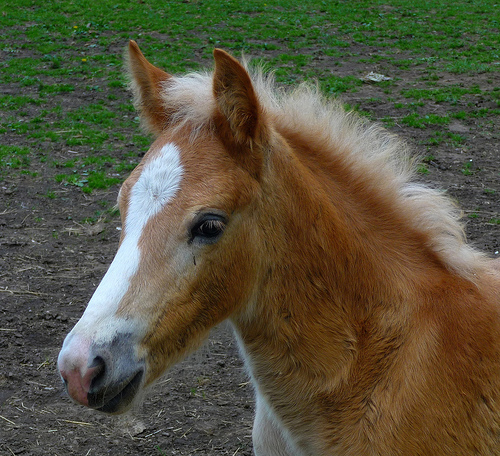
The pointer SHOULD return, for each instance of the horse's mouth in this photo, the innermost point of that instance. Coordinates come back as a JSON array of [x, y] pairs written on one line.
[[117, 398]]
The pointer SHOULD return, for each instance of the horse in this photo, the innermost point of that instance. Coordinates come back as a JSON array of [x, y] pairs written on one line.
[[367, 324]]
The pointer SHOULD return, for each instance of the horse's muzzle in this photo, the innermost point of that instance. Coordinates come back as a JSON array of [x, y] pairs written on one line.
[[102, 376]]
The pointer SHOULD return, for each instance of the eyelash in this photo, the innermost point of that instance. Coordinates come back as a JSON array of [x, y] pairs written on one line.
[[208, 228]]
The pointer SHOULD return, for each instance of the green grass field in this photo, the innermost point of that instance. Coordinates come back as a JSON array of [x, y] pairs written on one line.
[[74, 48], [55, 51]]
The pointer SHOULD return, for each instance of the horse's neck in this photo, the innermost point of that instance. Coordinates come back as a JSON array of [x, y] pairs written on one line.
[[337, 266], [349, 295]]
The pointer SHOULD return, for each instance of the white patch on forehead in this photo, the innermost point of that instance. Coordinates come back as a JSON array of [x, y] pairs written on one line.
[[157, 185]]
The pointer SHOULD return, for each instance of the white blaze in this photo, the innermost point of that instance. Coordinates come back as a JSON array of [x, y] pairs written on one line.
[[157, 185]]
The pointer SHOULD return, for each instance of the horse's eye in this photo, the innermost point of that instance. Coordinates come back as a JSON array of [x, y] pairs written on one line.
[[208, 228]]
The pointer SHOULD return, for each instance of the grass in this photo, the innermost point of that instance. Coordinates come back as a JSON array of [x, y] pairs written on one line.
[[467, 169], [449, 94], [60, 50], [422, 121], [14, 157]]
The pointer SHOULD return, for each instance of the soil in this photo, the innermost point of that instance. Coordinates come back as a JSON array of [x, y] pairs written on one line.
[[51, 262]]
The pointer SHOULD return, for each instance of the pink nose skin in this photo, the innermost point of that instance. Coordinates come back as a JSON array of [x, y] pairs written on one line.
[[73, 366], [78, 385]]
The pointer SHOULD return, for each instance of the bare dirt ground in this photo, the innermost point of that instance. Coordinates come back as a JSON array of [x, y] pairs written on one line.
[[50, 263]]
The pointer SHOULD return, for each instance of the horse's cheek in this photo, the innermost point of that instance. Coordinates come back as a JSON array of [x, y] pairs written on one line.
[[203, 293]]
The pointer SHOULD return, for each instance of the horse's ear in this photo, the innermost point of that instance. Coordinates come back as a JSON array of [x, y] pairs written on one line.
[[236, 99], [147, 83]]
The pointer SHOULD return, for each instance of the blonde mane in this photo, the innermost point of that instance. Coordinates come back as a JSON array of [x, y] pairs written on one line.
[[379, 155]]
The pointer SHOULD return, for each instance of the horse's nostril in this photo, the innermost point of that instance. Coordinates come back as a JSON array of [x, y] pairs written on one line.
[[99, 370], [99, 364]]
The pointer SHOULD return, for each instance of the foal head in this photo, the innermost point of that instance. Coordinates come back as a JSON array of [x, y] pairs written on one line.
[[187, 255]]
